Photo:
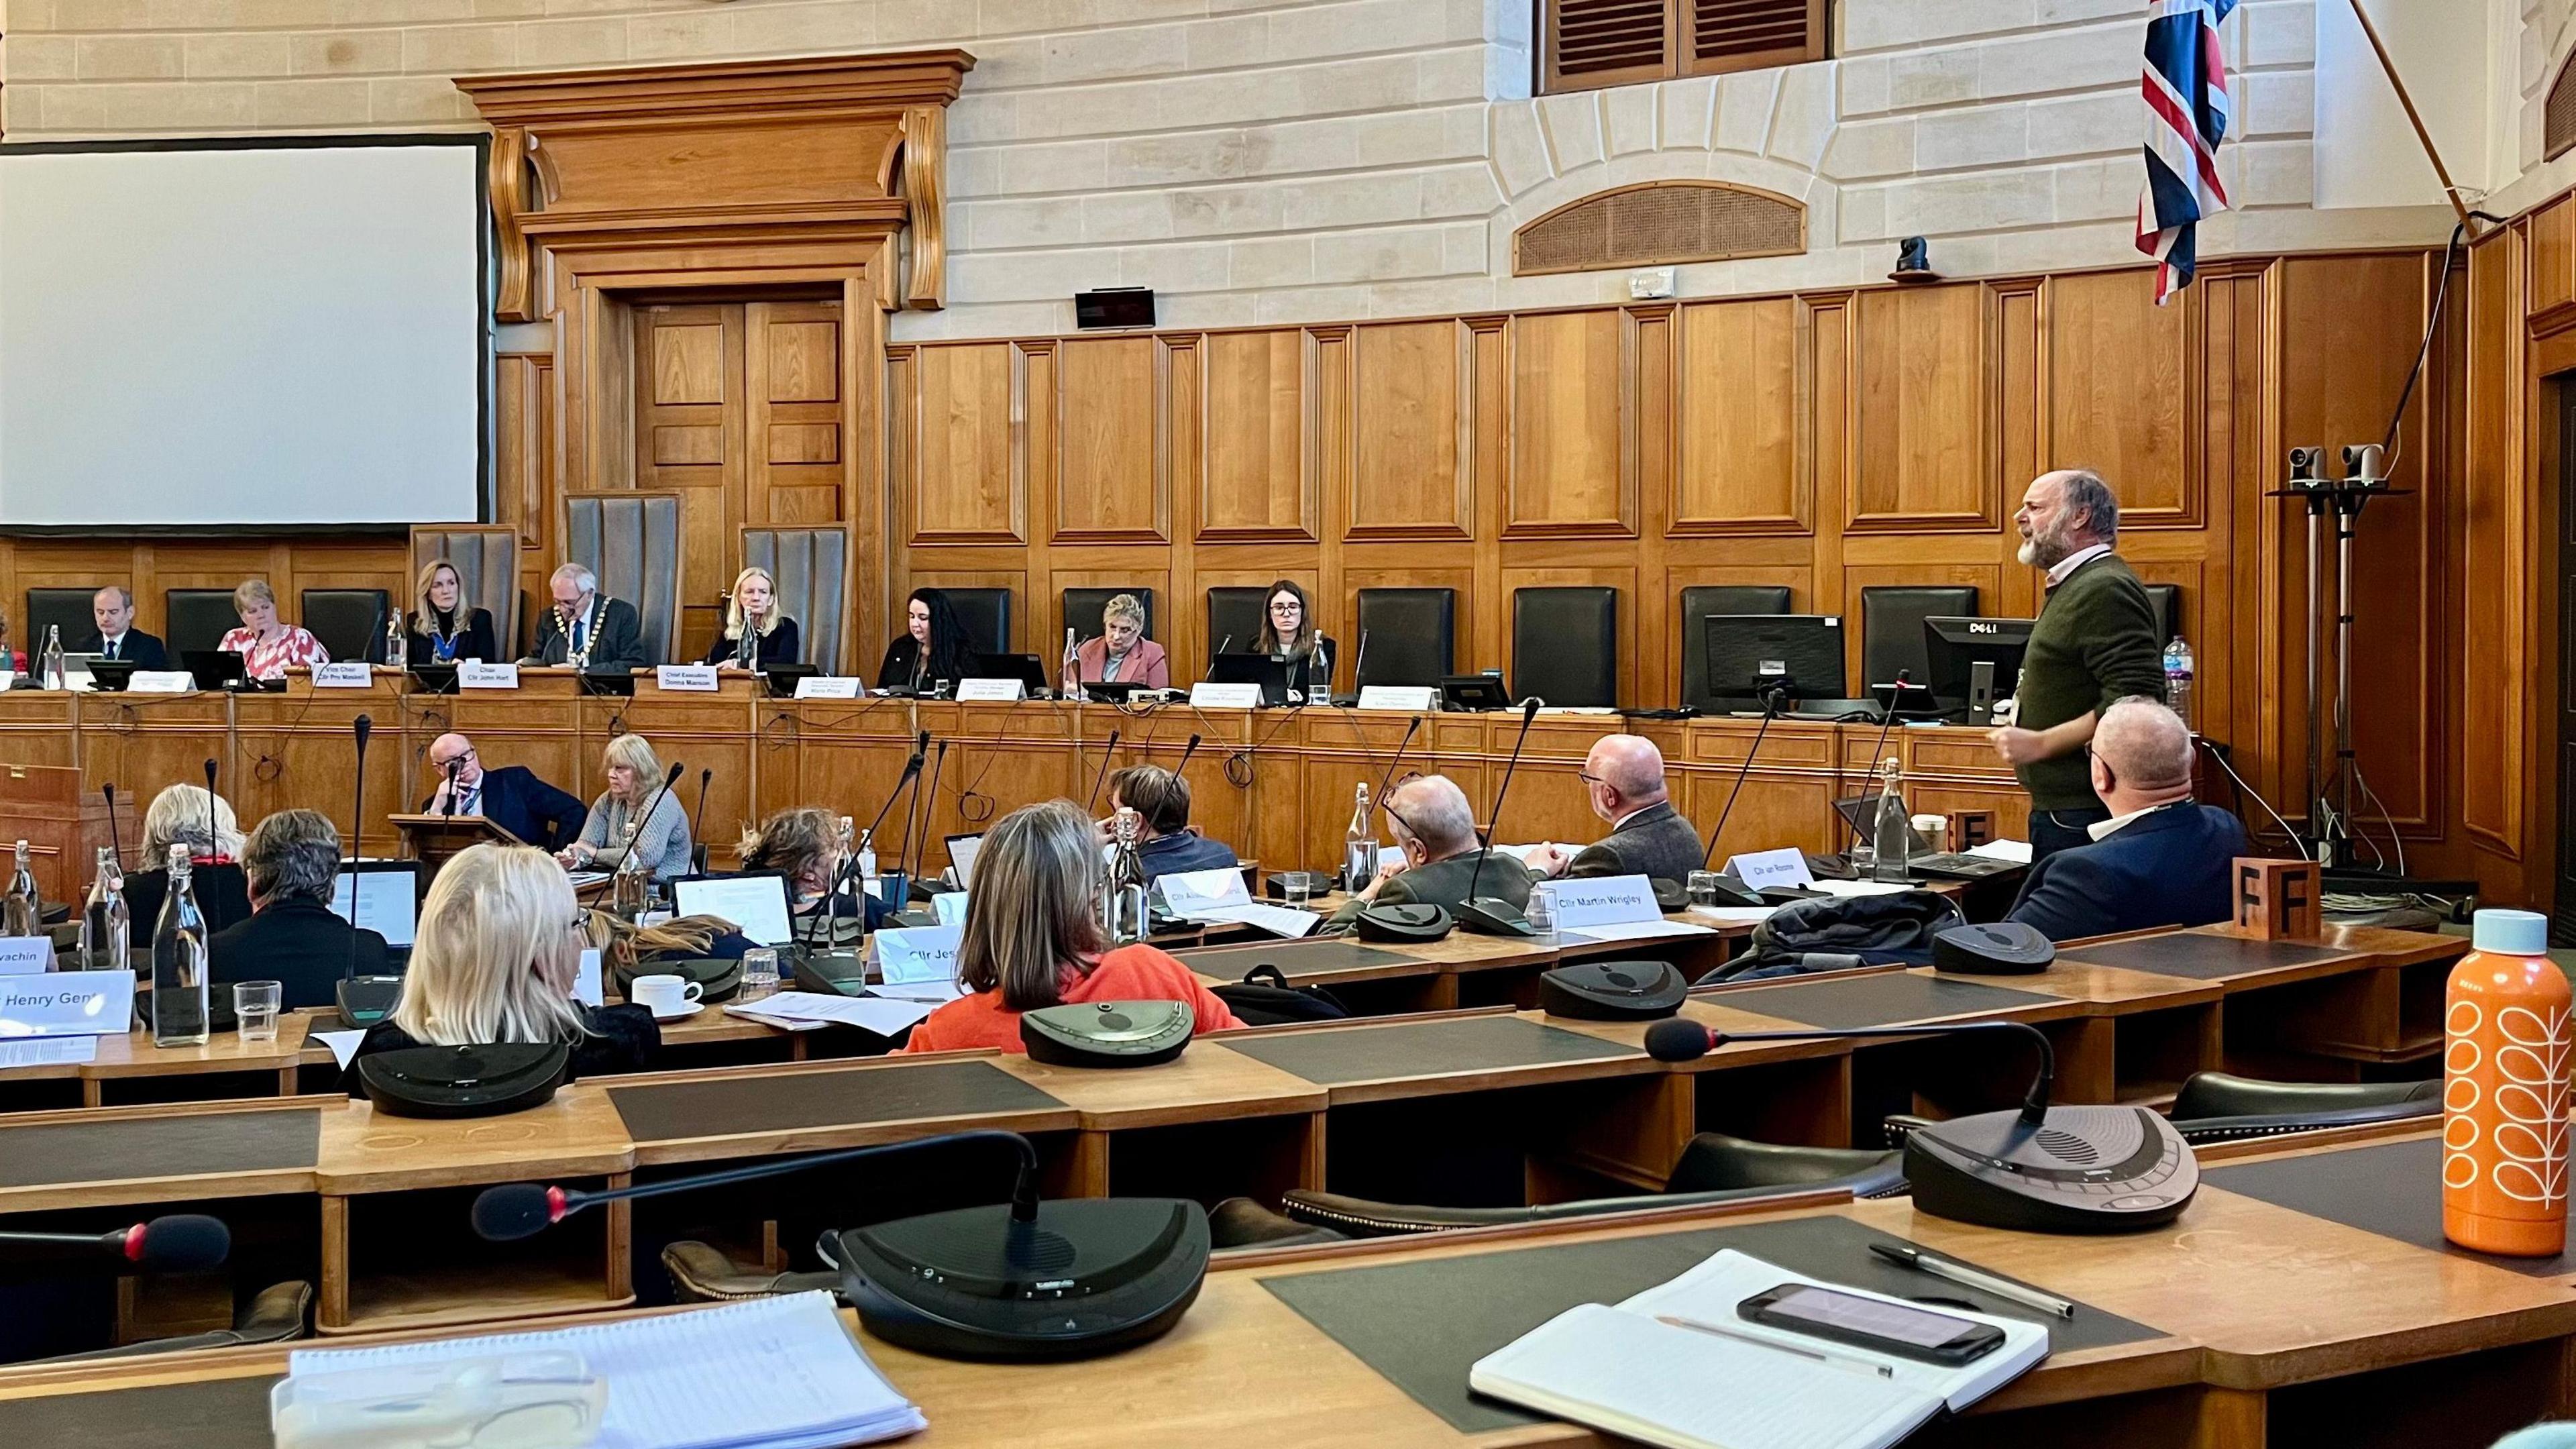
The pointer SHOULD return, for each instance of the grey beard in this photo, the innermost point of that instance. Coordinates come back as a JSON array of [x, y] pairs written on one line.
[[2042, 552]]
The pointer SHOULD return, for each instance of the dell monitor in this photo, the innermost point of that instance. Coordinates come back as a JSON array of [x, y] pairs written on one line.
[[1787, 656], [1975, 662]]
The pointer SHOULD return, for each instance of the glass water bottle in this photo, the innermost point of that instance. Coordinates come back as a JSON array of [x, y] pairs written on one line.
[[179, 1014], [22, 909], [1359, 845], [1892, 832], [1122, 885], [107, 926]]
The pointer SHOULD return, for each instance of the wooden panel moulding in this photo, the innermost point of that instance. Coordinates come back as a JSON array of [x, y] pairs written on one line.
[[1410, 476], [1742, 408], [1921, 357], [1258, 482], [1112, 481], [967, 490], [2120, 394], [1572, 467], [2496, 628]]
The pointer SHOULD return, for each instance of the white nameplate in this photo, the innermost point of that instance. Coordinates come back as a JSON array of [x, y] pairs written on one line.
[[487, 676], [685, 678], [352, 675], [26, 955], [1762, 869], [1414, 697], [67, 1003], [992, 691], [950, 907], [1605, 901], [159, 681], [1204, 695], [821, 686], [918, 953]]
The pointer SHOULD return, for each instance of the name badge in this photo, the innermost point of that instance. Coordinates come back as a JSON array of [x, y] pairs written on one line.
[[1416, 698], [992, 691], [817, 686], [918, 953], [1764, 868], [67, 1003], [26, 955], [1204, 695], [1606, 901], [352, 675], [160, 681], [487, 676]]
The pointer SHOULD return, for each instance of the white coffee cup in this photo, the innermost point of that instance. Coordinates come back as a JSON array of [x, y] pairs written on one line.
[[663, 995]]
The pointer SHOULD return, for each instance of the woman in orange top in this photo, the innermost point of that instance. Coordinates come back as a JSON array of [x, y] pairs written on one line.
[[1031, 939]]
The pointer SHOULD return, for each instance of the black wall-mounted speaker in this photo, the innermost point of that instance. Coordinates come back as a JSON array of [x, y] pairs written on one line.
[[1114, 307]]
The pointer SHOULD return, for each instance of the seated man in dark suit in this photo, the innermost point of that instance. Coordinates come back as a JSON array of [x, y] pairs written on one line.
[[511, 797], [1624, 776], [292, 936], [2160, 860], [1435, 857], [587, 627], [1161, 801], [117, 638]]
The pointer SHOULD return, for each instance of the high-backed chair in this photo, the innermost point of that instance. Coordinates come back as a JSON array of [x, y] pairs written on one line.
[[2167, 601], [1412, 636], [1697, 604], [64, 608], [811, 568], [986, 613], [632, 541], [1234, 618], [348, 622], [1565, 645], [486, 559], [1891, 628], [1082, 609], [198, 619]]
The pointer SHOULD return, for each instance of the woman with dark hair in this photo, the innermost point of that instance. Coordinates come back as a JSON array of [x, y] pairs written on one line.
[[1288, 633], [932, 647]]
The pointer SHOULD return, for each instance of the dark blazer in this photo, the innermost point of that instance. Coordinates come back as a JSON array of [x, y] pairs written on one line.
[[1441, 883], [895, 670], [527, 807], [475, 642], [617, 635], [1312, 675], [624, 1040], [1182, 851], [144, 649], [298, 943], [1656, 841], [2169, 867], [223, 897], [778, 646]]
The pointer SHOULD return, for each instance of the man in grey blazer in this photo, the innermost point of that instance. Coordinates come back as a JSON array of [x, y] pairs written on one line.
[[1624, 775], [1436, 860]]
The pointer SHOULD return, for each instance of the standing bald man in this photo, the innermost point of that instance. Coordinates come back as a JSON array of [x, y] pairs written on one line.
[[2095, 643], [2157, 859], [1624, 778], [511, 797]]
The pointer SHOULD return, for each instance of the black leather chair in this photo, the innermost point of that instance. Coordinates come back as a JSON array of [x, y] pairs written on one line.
[[1082, 610], [986, 613], [198, 619], [66, 609], [1697, 605], [1891, 629], [1234, 618], [2167, 599], [1411, 634], [2217, 1107], [1713, 1168], [281, 1313], [349, 622], [1565, 646]]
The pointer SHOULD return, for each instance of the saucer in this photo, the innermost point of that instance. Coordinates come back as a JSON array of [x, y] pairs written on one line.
[[692, 1009]]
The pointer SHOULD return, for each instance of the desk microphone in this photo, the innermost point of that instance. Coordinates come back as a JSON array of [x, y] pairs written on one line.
[[115, 846], [1736, 894], [1492, 915], [697, 841], [1877, 751], [214, 842], [180, 1243], [1026, 1280], [1389, 777], [1108, 757], [455, 767], [2037, 1168], [364, 1000], [911, 772], [1188, 750], [938, 764]]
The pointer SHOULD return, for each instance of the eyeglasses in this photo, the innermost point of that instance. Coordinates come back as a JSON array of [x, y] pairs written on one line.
[[1291, 607], [1589, 778], [451, 760]]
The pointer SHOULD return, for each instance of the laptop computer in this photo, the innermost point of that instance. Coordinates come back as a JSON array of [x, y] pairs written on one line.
[[756, 903], [388, 899], [215, 668], [1022, 667], [1271, 674]]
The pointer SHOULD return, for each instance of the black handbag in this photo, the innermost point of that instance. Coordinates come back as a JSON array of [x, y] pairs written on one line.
[[719, 978], [1273, 1002], [464, 1081]]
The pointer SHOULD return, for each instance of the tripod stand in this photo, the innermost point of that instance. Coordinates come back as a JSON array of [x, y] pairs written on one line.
[[2330, 797]]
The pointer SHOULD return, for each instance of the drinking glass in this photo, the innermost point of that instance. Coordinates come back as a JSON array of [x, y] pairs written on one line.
[[255, 1007], [1703, 887], [759, 973], [1292, 890]]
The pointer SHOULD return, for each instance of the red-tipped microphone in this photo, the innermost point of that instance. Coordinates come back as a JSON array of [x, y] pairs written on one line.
[[179, 1243]]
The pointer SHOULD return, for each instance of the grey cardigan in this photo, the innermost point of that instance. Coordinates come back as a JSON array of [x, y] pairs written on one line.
[[664, 842]]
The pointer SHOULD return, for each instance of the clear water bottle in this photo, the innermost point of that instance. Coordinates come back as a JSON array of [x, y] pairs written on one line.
[[107, 926], [179, 976], [1359, 845], [22, 910], [397, 643], [2178, 679], [631, 889], [1541, 914], [49, 668], [1892, 832]]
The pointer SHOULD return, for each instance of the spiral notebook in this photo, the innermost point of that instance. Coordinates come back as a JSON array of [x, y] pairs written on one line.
[[770, 1373]]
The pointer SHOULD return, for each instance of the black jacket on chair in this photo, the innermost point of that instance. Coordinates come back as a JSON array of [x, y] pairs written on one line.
[[616, 635], [298, 943], [144, 649], [527, 807], [1656, 842], [2168, 867]]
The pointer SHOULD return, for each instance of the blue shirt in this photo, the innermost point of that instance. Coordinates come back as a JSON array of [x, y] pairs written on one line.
[[1183, 851]]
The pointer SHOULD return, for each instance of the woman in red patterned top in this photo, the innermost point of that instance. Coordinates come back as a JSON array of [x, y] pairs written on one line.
[[1031, 941], [268, 647]]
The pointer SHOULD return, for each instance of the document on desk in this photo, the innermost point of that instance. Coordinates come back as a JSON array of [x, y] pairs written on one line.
[[1217, 897], [770, 1373], [1850, 888], [48, 1051], [1634, 931], [2016, 851], [875, 1013], [343, 1044]]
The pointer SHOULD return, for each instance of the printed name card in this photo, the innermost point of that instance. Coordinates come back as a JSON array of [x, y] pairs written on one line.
[[992, 691], [1416, 698], [918, 953], [685, 678], [157, 681], [1765, 869], [487, 676], [67, 1003], [26, 955], [817, 686], [1204, 695], [353, 674], [1615, 900], [950, 907]]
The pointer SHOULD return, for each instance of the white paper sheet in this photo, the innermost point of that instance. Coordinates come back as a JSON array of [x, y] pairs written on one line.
[[343, 1044]]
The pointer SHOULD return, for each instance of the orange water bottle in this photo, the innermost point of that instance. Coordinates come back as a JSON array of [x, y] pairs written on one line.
[[2504, 1092]]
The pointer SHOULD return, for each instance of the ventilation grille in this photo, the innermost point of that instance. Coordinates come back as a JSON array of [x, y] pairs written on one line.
[[1594, 43], [2066, 1146], [1661, 222], [2558, 125], [1725, 29], [1593, 36]]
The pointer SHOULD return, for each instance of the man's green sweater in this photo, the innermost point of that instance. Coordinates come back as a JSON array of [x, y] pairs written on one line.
[[2094, 645]]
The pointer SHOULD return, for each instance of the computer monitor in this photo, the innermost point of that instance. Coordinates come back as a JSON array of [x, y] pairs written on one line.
[[1023, 667], [1261, 669], [757, 903], [1955, 647], [1749, 655], [388, 893]]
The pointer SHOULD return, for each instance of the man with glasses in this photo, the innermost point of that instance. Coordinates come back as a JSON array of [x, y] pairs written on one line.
[[1624, 778], [1435, 856], [511, 797], [2159, 859]]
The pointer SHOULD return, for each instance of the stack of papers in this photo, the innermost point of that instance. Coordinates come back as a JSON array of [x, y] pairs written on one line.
[[2016, 851], [770, 1373], [806, 1010], [1217, 897]]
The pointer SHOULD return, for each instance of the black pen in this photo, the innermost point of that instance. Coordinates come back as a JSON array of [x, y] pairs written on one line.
[[1979, 1279]]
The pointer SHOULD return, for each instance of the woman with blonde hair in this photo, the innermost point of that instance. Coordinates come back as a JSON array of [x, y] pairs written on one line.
[[1122, 654], [443, 629], [202, 820], [662, 842], [1031, 939], [268, 645], [754, 612], [493, 960]]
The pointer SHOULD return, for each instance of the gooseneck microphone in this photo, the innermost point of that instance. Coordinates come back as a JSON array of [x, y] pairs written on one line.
[[1187, 750], [697, 841], [455, 767], [364, 1000], [1492, 915], [179, 1243], [938, 763], [361, 727], [1770, 710], [911, 772], [1108, 757], [214, 842], [644, 820], [1400, 746], [1877, 750], [116, 847]]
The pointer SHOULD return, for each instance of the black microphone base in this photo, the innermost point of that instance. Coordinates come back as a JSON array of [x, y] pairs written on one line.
[[2083, 1170], [1492, 916], [366, 1000], [1090, 1276]]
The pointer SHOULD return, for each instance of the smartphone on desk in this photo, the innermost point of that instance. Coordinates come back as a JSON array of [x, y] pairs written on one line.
[[1896, 1329]]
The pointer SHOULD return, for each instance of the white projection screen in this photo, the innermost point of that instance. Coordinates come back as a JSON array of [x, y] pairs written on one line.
[[243, 334]]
